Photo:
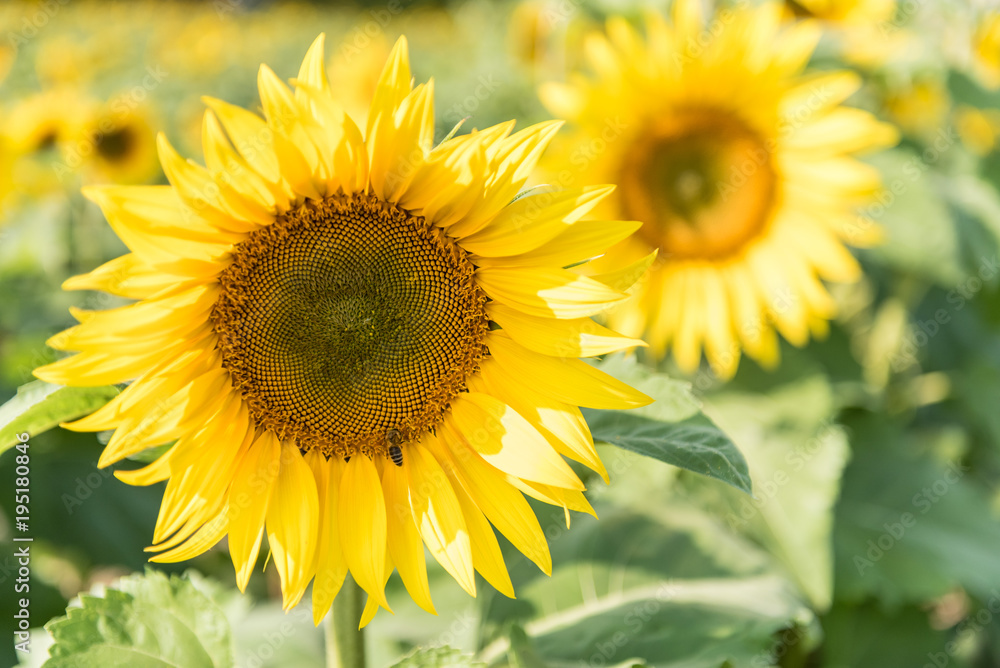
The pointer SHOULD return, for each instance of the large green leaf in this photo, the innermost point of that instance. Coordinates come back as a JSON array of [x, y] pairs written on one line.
[[145, 621], [796, 455], [695, 443], [438, 657], [40, 406], [669, 586], [922, 237], [672, 429], [920, 532]]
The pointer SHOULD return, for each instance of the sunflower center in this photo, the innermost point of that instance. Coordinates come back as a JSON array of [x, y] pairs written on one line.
[[702, 182], [115, 145], [350, 324]]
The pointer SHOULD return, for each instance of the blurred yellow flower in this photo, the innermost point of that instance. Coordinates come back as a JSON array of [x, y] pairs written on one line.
[[979, 129], [919, 108], [843, 12], [740, 169], [362, 344], [986, 50], [120, 144], [37, 131], [864, 31]]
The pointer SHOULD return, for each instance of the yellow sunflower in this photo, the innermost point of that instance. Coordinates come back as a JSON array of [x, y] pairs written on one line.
[[863, 31], [120, 143], [738, 166], [986, 50], [843, 12], [361, 344], [37, 131]]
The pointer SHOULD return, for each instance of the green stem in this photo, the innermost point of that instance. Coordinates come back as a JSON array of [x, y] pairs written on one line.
[[345, 642]]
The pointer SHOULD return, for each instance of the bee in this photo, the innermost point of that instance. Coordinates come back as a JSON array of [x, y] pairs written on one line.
[[393, 438]]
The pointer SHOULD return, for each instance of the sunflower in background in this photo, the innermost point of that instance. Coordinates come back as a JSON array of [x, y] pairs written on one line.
[[739, 168], [979, 129], [986, 50], [120, 143], [6, 153], [39, 131], [864, 31], [361, 343], [919, 107]]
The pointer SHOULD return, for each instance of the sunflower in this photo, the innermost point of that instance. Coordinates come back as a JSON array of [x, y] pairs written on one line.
[[739, 168], [38, 132], [863, 31], [361, 344], [843, 12], [120, 143], [986, 50]]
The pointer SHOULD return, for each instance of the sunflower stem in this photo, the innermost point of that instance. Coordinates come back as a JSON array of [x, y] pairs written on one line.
[[345, 642]]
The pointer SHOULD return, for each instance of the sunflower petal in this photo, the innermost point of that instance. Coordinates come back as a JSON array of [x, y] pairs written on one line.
[[362, 521]]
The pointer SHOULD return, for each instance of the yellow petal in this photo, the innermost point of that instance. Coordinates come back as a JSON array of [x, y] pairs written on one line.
[[503, 505], [547, 292], [363, 525], [581, 241], [514, 161], [579, 337], [405, 548], [507, 441], [486, 554], [533, 220], [200, 542], [249, 498], [560, 423], [330, 565], [251, 137], [438, 516], [292, 524], [569, 380]]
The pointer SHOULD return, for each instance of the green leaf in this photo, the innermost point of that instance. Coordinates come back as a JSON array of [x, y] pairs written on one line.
[[921, 235], [40, 406], [921, 532], [695, 443], [438, 657], [521, 653], [796, 455], [670, 587], [672, 429], [147, 621]]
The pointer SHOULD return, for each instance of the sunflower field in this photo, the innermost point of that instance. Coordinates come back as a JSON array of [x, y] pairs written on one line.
[[528, 333]]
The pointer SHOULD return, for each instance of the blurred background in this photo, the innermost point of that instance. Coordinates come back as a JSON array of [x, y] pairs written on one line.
[[873, 538]]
